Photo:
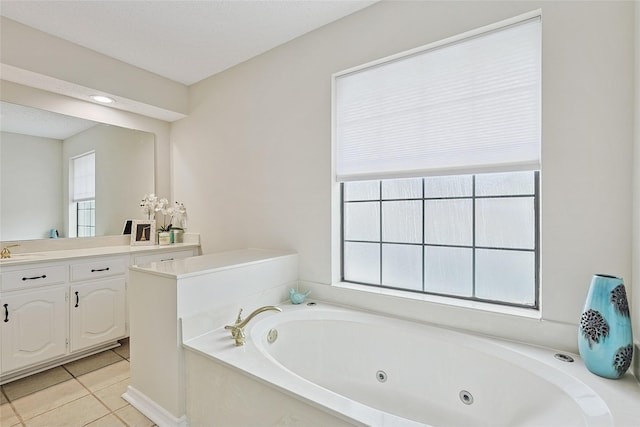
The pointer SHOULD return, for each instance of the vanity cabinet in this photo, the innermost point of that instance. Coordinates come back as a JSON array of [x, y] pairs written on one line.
[[62, 308], [34, 326]]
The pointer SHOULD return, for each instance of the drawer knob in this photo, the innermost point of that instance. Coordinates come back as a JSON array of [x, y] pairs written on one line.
[[94, 270], [44, 276]]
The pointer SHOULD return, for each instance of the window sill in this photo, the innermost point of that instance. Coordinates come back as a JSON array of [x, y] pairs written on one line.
[[529, 313]]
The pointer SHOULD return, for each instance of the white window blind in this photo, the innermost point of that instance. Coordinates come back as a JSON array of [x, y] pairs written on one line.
[[464, 106], [84, 177]]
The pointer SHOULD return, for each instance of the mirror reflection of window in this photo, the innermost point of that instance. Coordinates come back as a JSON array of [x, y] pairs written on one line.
[[83, 177]]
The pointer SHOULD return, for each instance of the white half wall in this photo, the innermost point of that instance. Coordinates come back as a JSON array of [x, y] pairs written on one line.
[[252, 161]]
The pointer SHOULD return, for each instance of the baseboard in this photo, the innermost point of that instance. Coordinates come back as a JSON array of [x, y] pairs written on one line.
[[152, 410]]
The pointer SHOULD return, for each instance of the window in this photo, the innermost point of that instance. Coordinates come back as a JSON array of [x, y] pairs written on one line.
[[468, 236], [438, 154], [83, 178]]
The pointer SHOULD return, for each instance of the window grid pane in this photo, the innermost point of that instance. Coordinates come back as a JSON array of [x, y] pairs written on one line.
[[86, 218], [402, 221], [361, 262], [449, 222], [464, 230], [362, 221], [402, 266]]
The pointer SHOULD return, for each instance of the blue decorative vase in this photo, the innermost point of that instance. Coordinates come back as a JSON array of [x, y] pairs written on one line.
[[604, 335]]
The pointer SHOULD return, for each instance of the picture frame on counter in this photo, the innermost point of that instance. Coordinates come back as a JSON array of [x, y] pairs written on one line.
[[143, 232]]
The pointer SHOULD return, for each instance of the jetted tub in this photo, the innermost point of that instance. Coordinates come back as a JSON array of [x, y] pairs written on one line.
[[368, 369]]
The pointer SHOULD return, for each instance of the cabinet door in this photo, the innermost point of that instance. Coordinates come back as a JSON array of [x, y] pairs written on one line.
[[34, 327], [97, 312]]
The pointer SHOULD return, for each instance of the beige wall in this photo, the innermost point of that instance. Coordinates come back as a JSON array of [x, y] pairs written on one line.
[[252, 162], [30, 186]]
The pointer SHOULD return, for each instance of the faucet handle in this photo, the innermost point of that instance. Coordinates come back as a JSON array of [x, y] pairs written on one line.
[[237, 333], [239, 337], [235, 330], [239, 318]]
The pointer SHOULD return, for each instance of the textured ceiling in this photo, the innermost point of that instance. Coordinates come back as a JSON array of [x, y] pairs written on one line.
[[185, 41]]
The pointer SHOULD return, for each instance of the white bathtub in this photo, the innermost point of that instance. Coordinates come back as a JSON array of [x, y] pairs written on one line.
[[367, 369]]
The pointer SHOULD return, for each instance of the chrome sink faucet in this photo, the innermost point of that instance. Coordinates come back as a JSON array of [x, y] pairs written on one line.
[[237, 329]]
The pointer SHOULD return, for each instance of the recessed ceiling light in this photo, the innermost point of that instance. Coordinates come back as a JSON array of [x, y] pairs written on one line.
[[102, 99]]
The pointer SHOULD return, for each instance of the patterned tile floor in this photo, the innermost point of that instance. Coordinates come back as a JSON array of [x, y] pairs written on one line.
[[86, 392]]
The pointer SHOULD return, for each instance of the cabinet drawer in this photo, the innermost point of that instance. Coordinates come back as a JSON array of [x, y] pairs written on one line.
[[98, 268], [33, 277], [164, 256]]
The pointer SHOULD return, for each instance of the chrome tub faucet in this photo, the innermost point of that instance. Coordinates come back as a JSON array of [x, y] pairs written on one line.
[[237, 329]]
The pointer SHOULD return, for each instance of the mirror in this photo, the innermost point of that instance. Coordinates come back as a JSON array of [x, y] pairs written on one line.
[[36, 148]]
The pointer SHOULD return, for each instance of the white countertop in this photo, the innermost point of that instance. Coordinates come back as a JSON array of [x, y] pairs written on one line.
[[203, 264], [67, 254]]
